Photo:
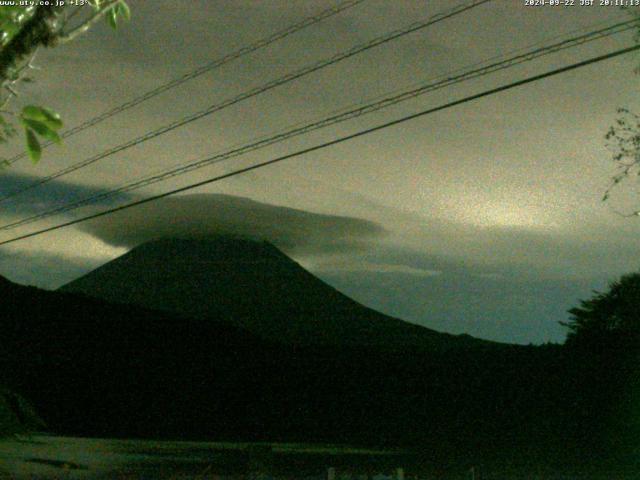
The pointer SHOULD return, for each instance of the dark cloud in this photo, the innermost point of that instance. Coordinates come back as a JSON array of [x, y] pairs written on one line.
[[294, 231], [46, 196]]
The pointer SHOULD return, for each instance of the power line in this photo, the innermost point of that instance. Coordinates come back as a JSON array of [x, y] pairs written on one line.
[[254, 92], [262, 43], [339, 140], [334, 119]]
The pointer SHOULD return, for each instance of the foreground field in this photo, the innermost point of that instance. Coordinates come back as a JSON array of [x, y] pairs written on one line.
[[45, 457]]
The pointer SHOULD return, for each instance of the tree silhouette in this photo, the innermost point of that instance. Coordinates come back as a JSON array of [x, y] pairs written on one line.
[[613, 316], [603, 365]]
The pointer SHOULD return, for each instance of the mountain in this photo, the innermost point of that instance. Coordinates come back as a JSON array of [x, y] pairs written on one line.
[[95, 368], [251, 284]]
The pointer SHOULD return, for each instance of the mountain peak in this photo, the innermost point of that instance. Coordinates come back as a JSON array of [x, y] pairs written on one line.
[[249, 283], [223, 247]]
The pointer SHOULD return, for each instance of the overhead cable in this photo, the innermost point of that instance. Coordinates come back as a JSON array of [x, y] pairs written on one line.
[[324, 145], [252, 93], [331, 120], [207, 67]]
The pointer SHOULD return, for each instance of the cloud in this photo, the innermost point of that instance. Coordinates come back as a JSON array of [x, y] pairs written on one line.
[[46, 196], [404, 242], [294, 231], [490, 276], [587, 251], [356, 265]]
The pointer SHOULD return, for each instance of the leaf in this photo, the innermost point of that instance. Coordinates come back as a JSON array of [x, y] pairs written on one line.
[[42, 129], [112, 18], [119, 11], [33, 146], [124, 11], [42, 115]]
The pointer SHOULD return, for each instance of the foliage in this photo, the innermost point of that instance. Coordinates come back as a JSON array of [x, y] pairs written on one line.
[[610, 316], [11, 19], [623, 138], [42, 122], [119, 11], [23, 29], [603, 359]]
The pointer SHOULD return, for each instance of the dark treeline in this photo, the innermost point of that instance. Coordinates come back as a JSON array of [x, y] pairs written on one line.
[[92, 368]]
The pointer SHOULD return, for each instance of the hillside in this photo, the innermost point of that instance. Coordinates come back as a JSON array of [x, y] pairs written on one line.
[[188, 368], [253, 285], [99, 369]]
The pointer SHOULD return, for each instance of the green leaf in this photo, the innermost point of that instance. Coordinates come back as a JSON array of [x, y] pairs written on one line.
[[112, 18], [33, 146], [42, 129], [42, 115], [119, 11], [124, 11]]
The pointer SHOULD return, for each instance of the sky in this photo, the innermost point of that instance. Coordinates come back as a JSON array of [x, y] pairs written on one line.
[[485, 218]]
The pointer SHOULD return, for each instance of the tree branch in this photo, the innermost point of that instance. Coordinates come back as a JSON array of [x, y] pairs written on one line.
[[38, 30], [84, 26]]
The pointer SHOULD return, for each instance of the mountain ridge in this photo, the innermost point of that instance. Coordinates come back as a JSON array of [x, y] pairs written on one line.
[[251, 284], [94, 368]]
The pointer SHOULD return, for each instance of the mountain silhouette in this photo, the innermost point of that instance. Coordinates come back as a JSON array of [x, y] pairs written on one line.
[[251, 284], [95, 368]]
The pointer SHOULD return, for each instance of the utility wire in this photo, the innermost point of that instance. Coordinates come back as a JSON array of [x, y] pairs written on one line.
[[254, 92], [334, 119], [262, 43], [336, 141]]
